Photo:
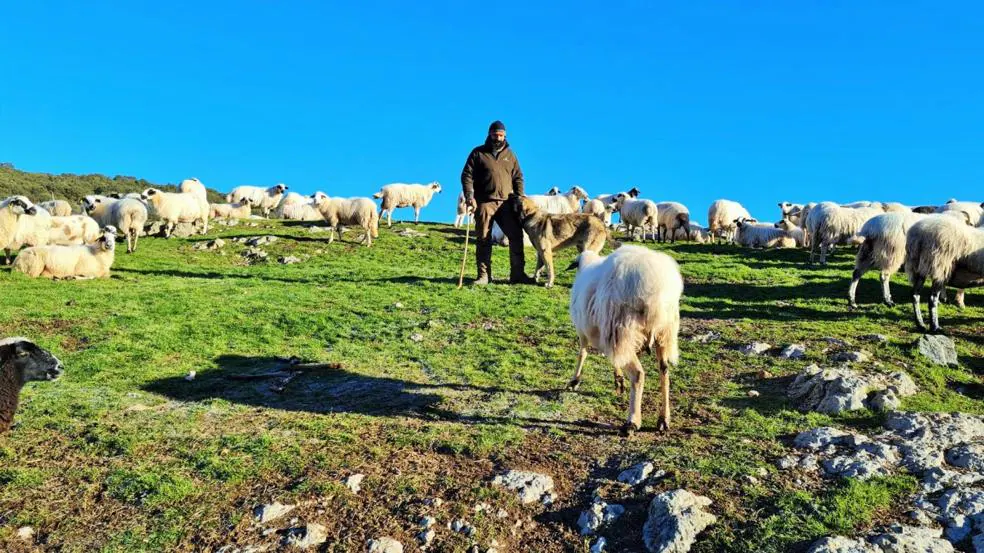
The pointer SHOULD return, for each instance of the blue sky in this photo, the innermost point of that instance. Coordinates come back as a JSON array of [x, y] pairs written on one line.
[[753, 101]]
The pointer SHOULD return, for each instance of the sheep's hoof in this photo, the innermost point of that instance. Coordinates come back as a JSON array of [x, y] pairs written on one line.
[[851, 306], [574, 384], [889, 303], [548, 285], [663, 426], [628, 429]]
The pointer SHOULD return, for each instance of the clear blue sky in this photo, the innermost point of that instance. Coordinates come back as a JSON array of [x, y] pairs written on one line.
[[753, 101]]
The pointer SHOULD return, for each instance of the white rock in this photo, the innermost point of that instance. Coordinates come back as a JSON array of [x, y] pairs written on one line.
[[427, 522], [529, 486], [753, 393], [793, 351], [835, 390], [820, 437], [384, 545], [426, 537], [311, 535], [755, 348], [968, 456], [25, 533], [417, 337], [636, 474], [598, 515], [354, 482], [599, 545], [675, 519], [190, 376], [961, 510], [271, 511], [851, 357]]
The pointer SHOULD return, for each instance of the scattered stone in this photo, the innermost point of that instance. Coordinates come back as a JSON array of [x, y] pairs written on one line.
[[435, 502], [288, 260], [398, 305], [751, 480], [548, 499], [762, 472], [706, 337], [427, 522], [938, 349], [793, 351], [861, 465], [426, 537], [598, 515], [836, 390], [261, 240], [224, 222], [529, 486], [599, 545], [877, 338], [417, 337], [462, 527], [787, 462], [271, 511], [968, 456], [354, 482], [25, 533], [190, 376], [755, 348], [753, 393], [835, 341], [636, 474], [385, 545], [961, 511], [885, 400], [675, 519], [316, 229], [898, 539], [255, 255], [184, 230], [819, 438], [851, 357], [310, 535], [410, 233], [488, 325], [210, 245]]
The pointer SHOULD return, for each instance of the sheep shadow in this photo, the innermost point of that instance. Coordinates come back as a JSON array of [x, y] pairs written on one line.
[[337, 390], [212, 275]]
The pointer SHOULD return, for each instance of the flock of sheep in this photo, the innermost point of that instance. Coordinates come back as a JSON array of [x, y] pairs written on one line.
[[620, 304]]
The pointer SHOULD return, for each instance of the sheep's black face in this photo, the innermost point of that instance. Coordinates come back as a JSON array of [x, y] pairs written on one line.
[[32, 362], [108, 239], [634, 192]]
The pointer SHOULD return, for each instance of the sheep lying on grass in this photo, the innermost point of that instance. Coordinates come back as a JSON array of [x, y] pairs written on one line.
[[399, 195], [622, 303], [127, 215], [58, 208], [70, 262], [266, 199], [32, 230], [946, 251], [21, 361], [721, 217], [239, 210], [360, 212], [177, 207], [763, 235]]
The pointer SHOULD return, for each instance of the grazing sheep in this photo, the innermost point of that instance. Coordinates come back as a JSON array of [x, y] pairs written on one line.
[[58, 208], [21, 361], [359, 212], [622, 303], [600, 210], [240, 210], [399, 195], [559, 204], [463, 214], [641, 214], [11, 210], [973, 210], [762, 235], [177, 207], [266, 199], [883, 248], [947, 252], [127, 215], [78, 262], [672, 215], [721, 217], [193, 186], [829, 224]]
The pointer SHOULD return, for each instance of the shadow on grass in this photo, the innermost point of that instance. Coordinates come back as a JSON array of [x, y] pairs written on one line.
[[328, 391], [212, 275]]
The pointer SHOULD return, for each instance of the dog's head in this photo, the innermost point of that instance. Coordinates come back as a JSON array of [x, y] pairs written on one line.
[[523, 206]]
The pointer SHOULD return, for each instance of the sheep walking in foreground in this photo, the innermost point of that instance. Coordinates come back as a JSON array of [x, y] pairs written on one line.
[[22, 361], [70, 262], [239, 210], [58, 208], [360, 212], [641, 214], [672, 216], [265, 199], [177, 207], [11, 210], [463, 215], [721, 217], [127, 215], [399, 195], [622, 303], [829, 224], [946, 251]]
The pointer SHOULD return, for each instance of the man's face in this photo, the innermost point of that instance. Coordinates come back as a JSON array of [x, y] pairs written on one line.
[[498, 135]]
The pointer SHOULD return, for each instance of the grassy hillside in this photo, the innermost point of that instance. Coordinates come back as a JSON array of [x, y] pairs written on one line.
[[40, 187], [436, 391]]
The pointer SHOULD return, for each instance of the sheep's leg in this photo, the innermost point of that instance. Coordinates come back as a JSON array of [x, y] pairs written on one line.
[[416, 215], [861, 266], [959, 298], [6, 256], [389, 217], [331, 234], [812, 247], [664, 385], [934, 306], [582, 354], [917, 286], [637, 380], [886, 278], [824, 248]]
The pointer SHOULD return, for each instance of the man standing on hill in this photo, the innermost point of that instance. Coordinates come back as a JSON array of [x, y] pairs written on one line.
[[490, 175]]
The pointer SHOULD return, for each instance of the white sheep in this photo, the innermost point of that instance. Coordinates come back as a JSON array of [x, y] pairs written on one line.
[[973, 210], [463, 214], [791, 211], [194, 186], [397, 195], [360, 212], [265, 199], [32, 230], [642, 214], [91, 260], [762, 235], [177, 207], [11, 210], [829, 224], [896, 207], [694, 232], [560, 204], [794, 231], [127, 215], [239, 210], [58, 208], [672, 215], [600, 209], [610, 199], [721, 217], [73, 230], [622, 303], [863, 203], [295, 207], [946, 251]]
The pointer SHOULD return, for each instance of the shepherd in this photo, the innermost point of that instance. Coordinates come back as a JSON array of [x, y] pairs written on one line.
[[490, 176]]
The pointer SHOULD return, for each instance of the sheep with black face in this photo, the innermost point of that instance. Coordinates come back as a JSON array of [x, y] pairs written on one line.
[[21, 361]]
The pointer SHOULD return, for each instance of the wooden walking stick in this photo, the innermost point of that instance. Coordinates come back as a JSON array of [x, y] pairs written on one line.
[[464, 255]]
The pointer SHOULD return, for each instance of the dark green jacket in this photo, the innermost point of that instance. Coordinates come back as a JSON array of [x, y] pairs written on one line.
[[488, 176]]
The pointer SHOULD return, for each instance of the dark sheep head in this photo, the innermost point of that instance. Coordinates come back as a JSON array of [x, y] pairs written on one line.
[[29, 361]]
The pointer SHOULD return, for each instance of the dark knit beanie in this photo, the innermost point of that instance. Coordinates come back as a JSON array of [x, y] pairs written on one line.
[[496, 126]]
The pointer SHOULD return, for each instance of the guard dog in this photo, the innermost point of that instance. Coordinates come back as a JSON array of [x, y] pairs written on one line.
[[553, 232]]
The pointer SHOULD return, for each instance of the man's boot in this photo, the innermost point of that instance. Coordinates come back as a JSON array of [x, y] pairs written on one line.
[[483, 257], [517, 264]]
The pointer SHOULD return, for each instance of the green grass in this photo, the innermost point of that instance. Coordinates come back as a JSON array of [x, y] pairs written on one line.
[[123, 453]]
